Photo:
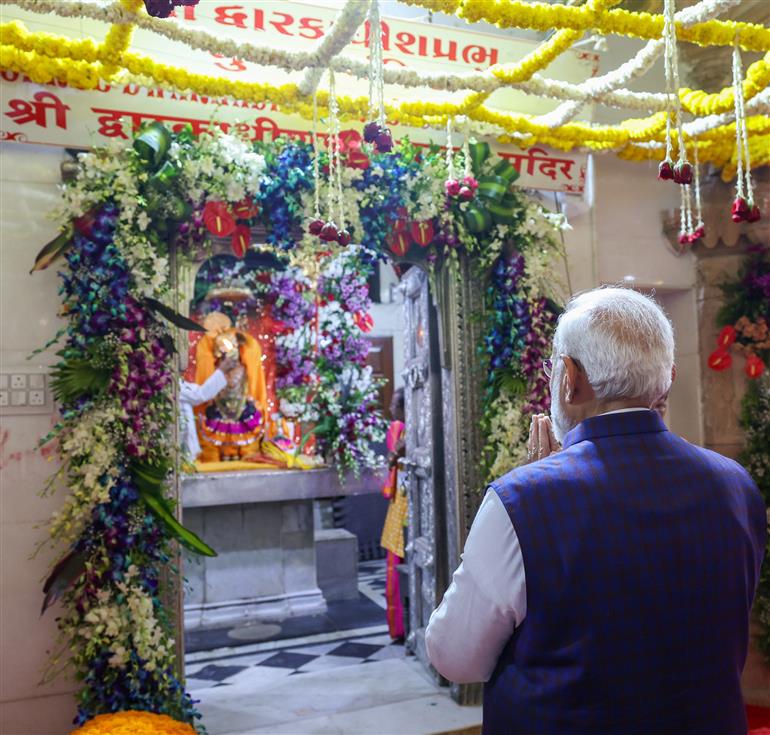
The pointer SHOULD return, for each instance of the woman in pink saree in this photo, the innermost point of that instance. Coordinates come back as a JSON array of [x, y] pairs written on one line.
[[393, 531]]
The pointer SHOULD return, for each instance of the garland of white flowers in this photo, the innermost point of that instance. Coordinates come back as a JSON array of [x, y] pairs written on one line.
[[340, 35], [604, 90]]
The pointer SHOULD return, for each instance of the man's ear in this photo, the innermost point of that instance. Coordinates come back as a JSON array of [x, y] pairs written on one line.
[[570, 378], [673, 372]]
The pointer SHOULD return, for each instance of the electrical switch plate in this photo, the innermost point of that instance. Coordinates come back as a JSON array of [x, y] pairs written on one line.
[[36, 398], [3, 397], [18, 397], [36, 382], [18, 382]]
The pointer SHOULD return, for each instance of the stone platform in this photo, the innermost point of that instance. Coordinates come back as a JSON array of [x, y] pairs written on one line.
[[261, 524]]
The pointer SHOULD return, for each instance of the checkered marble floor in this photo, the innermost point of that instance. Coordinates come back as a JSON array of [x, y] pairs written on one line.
[[341, 682], [298, 657], [275, 659]]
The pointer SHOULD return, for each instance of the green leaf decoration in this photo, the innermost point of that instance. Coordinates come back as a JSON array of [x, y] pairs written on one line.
[[57, 247], [176, 319], [62, 577], [184, 535], [479, 154], [77, 378], [478, 219], [506, 171], [150, 481], [153, 143]]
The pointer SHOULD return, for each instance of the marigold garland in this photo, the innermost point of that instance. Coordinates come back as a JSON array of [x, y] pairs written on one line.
[[544, 17], [46, 58], [133, 722]]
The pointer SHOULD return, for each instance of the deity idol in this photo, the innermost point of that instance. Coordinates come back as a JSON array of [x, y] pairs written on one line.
[[231, 426]]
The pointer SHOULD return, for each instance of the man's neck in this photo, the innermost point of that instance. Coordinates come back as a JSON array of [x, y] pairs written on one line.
[[621, 405]]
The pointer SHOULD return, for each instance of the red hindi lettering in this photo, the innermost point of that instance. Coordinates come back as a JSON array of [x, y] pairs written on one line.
[[479, 55], [9, 76], [404, 39], [24, 111], [311, 27], [228, 15], [389, 60], [232, 65], [259, 20], [281, 26], [131, 89], [439, 53]]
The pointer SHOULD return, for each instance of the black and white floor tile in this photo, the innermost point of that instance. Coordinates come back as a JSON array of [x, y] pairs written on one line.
[[349, 645], [300, 657]]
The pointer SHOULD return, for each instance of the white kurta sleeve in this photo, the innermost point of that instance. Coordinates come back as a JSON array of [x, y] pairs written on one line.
[[485, 602], [195, 394]]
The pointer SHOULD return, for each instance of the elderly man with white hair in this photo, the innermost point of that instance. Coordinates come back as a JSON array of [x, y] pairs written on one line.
[[605, 588]]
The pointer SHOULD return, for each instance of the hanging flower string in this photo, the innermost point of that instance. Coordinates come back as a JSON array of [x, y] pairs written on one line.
[[468, 189], [700, 228], [744, 209], [376, 131], [681, 172], [316, 224], [451, 185]]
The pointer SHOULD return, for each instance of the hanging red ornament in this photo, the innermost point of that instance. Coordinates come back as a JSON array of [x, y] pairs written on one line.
[[683, 172], [315, 226], [665, 171], [471, 182], [422, 233], [241, 240], [740, 209], [245, 209], [399, 243], [726, 337], [720, 360], [218, 219], [466, 193], [363, 321], [699, 232], [754, 214], [754, 367], [343, 238], [329, 232]]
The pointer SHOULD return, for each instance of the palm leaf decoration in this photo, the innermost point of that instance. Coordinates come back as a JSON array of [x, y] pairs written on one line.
[[76, 378], [150, 480], [62, 577], [175, 318]]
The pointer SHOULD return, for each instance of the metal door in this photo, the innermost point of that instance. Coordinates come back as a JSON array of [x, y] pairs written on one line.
[[424, 461]]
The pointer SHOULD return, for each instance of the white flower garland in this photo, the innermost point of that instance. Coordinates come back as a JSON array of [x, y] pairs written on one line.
[[604, 90], [340, 35]]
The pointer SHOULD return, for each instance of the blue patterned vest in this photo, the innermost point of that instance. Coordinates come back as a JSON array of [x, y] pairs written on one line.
[[642, 556]]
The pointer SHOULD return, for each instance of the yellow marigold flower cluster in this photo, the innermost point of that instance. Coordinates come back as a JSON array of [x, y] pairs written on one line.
[[543, 16], [698, 102], [134, 723]]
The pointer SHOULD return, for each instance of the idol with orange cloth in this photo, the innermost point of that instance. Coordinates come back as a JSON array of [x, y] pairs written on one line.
[[231, 426]]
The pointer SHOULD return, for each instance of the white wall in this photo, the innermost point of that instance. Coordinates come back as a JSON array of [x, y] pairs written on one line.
[[28, 308], [617, 237]]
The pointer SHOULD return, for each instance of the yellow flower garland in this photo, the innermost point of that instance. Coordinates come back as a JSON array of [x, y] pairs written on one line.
[[134, 723], [45, 58], [543, 17], [699, 102]]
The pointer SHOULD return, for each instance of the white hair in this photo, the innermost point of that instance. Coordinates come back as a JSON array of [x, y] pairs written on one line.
[[622, 339]]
